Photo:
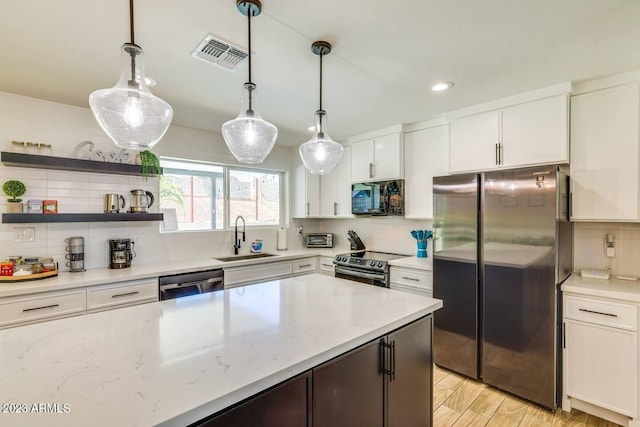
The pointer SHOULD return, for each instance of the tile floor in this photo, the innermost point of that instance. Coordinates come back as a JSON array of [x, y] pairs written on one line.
[[461, 402]]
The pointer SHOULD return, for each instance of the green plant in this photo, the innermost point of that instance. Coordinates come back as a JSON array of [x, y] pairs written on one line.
[[14, 189], [150, 163]]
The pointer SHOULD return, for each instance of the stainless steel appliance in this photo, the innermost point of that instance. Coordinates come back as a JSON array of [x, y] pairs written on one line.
[[366, 267], [74, 253], [502, 247], [121, 253], [113, 203], [378, 198], [140, 200], [182, 285], [319, 240]]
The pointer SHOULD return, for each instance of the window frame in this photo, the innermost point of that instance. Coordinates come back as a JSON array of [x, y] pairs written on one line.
[[227, 221]]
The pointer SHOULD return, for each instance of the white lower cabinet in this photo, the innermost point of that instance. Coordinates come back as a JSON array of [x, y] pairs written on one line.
[[326, 266], [15, 311], [238, 276], [412, 280], [600, 357], [121, 294], [305, 266]]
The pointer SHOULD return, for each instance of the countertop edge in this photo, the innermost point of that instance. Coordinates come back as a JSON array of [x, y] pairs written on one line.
[[104, 276], [413, 262], [624, 290]]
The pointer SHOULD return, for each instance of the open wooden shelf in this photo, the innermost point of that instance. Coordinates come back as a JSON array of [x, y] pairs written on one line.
[[68, 164], [19, 218]]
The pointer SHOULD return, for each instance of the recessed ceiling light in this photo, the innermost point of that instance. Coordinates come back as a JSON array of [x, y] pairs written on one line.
[[440, 86], [150, 81]]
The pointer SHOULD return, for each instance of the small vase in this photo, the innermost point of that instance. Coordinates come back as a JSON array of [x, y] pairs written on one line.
[[14, 207], [422, 250]]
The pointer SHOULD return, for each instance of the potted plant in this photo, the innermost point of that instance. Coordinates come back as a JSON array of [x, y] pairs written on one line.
[[14, 189], [150, 163]]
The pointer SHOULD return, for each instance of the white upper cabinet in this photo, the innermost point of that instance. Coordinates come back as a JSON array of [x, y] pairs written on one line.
[[524, 134], [426, 156], [604, 154], [474, 142], [335, 189], [378, 158], [305, 189]]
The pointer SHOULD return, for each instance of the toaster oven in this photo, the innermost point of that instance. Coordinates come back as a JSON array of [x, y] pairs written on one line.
[[319, 240]]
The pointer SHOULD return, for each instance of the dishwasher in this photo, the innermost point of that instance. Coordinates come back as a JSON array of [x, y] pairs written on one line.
[[183, 285]]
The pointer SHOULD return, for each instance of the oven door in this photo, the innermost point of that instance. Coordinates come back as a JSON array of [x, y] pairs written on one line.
[[368, 277]]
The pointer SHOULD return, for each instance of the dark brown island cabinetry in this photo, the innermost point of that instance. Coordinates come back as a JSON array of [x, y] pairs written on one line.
[[386, 382]]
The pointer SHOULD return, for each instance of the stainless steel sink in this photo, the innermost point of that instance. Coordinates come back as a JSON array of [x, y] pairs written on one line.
[[244, 257]]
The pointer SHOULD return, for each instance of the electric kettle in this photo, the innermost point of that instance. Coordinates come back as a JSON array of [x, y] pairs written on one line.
[[141, 200]]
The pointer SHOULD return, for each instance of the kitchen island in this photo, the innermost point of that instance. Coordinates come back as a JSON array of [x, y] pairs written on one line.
[[178, 361]]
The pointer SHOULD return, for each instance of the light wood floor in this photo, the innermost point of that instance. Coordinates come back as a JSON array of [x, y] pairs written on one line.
[[461, 402]]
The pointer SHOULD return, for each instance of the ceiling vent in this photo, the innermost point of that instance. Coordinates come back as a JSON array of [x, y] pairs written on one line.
[[218, 52]]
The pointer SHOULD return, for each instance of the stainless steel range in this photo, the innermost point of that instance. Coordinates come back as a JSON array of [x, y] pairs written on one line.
[[366, 267]]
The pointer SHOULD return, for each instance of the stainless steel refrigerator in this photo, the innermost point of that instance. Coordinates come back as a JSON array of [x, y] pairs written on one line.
[[502, 247]]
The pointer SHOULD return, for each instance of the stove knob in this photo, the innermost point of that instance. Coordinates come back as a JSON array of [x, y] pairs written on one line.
[[379, 263], [372, 263]]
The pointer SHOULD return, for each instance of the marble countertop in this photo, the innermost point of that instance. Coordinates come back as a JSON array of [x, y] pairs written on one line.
[[613, 288], [100, 276], [177, 361], [425, 264]]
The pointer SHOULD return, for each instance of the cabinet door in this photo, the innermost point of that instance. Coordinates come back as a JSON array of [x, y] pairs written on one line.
[[41, 306], [410, 401], [388, 156], [535, 133], [285, 405], [472, 142], [362, 161], [335, 188], [601, 366], [604, 154], [306, 190], [426, 156], [347, 391]]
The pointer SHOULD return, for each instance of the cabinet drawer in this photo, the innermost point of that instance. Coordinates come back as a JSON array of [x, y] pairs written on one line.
[[99, 297], [414, 278], [306, 265], [41, 306], [326, 265], [256, 273], [607, 313]]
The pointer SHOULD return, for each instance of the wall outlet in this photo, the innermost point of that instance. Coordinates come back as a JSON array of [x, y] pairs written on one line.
[[610, 246], [136, 240], [25, 234], [300, 230]]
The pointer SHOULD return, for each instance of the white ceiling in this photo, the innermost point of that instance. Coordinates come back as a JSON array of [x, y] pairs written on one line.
[[386, 54]]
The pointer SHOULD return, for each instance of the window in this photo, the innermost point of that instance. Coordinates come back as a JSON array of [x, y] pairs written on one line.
[[207, 196]]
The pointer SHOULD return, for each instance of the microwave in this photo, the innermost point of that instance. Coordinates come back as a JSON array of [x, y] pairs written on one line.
[[319, 240], [378, 198]]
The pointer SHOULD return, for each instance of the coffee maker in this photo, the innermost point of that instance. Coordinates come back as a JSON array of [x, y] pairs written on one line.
[[120, 253]]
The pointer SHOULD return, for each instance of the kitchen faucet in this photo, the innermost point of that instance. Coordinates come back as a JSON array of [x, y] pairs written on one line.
[[236, 244]]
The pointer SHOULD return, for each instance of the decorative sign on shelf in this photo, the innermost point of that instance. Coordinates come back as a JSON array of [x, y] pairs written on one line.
[[96, 154]]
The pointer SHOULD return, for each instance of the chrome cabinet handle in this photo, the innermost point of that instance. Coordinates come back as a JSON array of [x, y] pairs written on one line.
[[307, 208], [125, 294], [371, 170], [500, 153], [40, 308], [497, 155], [335, 208], [411, 278], [327, 265], [598, 312], [304, 265]]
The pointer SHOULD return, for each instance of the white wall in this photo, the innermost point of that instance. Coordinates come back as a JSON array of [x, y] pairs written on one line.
[[64, 127]]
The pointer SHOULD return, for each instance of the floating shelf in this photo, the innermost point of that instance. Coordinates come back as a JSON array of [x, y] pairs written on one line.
[[19, 218], [68, 164]]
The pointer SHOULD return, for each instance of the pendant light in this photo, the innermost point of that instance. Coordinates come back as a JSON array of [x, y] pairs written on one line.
[[321, 154], [128, 112], [249, 137]]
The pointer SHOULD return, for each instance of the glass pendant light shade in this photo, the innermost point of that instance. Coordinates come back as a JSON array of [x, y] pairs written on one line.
[[129, 113], [249, 137], [321, 154]]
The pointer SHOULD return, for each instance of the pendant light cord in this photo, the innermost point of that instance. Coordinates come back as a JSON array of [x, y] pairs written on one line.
[[131, 21], [321, 55], [249, 26]]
